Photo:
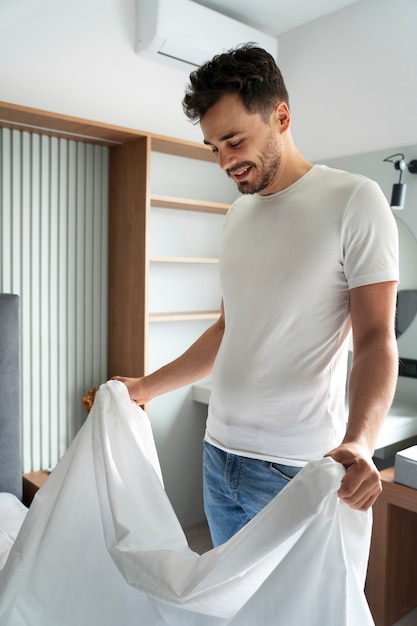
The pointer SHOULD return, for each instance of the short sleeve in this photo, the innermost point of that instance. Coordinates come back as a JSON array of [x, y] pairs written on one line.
[[369, 238]]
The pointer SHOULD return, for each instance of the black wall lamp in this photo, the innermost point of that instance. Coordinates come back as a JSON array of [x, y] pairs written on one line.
[[399, 189]]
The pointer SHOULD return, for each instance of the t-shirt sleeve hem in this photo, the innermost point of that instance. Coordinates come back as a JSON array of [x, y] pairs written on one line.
[[371, 279]]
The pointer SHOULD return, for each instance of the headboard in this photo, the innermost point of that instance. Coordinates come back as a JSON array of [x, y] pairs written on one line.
[[10, 459]]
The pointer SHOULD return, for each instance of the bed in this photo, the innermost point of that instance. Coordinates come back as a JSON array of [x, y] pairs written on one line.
[[12, 511]]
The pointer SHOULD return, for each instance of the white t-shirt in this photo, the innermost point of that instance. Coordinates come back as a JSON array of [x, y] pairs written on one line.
[[287, 263]]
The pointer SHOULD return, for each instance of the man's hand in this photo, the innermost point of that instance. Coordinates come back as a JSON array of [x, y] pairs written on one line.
[[136, 387], [361, 484]]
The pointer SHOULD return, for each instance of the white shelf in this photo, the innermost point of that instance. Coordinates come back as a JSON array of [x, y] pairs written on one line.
[[177, 259]]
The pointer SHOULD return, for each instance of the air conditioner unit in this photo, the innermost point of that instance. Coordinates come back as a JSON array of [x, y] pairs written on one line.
[[184, 34]]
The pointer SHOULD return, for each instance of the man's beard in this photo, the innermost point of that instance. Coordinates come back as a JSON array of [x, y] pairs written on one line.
[[265, 172]]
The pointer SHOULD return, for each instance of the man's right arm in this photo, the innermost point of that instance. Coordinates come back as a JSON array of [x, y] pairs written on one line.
[[196, 363]]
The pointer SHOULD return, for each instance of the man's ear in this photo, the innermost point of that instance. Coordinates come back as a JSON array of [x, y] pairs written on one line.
[[282, 116]]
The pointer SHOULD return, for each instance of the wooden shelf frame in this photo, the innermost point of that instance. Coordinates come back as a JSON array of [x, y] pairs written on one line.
[[185, 204], [16, 116], [130, 200], [184, 316]]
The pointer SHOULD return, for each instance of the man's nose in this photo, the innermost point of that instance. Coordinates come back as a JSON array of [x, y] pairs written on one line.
[[226, 159]]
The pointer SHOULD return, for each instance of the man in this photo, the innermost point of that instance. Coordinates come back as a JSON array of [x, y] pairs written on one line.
[[308, 253]]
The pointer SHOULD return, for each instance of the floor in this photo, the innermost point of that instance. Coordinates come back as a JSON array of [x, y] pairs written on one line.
[[198, 537], [408, 620]]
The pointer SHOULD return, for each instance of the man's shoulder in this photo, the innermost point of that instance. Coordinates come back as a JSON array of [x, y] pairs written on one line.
[[332, 173]]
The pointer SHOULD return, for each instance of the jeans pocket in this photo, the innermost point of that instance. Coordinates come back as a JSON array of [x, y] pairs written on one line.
[[285, 471]]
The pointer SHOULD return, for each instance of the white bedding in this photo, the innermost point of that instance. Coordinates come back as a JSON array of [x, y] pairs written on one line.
[[101, 545], [12, 514]]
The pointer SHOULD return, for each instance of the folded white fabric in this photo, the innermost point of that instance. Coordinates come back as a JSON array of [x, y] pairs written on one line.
[[101, 544]]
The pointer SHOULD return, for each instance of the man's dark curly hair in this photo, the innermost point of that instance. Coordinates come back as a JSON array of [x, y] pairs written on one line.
[[247, 70]]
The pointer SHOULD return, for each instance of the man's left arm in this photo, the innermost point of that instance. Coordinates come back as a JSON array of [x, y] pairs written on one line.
[[372, 384]]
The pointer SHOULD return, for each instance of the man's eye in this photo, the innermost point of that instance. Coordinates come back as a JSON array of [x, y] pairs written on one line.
[[235, 145], [214, 150]]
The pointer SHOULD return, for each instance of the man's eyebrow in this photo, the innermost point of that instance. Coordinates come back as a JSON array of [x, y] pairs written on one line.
[[224, 138]]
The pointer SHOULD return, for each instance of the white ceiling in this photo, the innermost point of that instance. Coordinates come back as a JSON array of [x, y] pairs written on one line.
[[275, 16]]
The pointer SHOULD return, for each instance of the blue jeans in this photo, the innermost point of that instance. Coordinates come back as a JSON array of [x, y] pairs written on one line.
[[236, 488]]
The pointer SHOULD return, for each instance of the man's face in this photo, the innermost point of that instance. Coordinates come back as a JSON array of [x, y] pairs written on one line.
[[246, 148]]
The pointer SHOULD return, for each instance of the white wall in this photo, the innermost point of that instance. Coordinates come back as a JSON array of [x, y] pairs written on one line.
[[352, 79], [77, 57]]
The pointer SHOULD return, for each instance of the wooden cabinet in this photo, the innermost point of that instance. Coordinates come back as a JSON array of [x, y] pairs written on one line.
[[32, 481], [391, 584], [130, 259], [130, 202]]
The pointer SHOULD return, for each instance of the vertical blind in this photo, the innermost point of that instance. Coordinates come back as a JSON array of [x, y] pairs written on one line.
[[53, 254]]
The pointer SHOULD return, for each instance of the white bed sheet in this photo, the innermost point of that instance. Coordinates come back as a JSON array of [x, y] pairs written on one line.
[[12, 514], [101, 545]]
